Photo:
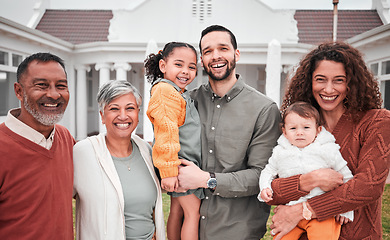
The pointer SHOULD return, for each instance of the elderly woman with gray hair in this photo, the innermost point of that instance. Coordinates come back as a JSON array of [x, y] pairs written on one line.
[[117, 192]]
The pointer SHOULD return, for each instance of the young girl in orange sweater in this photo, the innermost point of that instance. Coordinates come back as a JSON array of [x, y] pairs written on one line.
[[176, 131]]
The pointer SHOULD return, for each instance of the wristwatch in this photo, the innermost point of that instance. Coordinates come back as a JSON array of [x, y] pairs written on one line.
[[212, 182], [306, 212]]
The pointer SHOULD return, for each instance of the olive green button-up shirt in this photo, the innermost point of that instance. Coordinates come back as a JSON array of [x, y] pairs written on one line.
[[239, 131]]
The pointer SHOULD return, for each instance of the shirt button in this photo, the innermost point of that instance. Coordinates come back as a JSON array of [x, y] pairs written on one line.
[[207, 198], [218, 106], [203, 217], [218, 194], [212, 128], [211, 151]]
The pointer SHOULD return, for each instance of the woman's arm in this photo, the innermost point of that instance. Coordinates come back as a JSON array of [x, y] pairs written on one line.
[[292, 188], [367, 149]]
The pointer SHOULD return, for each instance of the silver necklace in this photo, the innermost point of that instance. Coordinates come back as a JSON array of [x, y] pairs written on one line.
[[123, 162]]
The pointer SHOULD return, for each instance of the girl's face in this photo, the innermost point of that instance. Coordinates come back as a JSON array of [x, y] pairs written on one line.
[[180, 66], [121, 116], [300, 131], [330, 86]]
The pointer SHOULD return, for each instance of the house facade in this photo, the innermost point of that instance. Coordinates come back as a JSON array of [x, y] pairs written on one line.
[[102, 45]]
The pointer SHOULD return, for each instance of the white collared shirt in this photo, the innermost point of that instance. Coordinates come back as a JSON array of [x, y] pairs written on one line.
[[22, 129]]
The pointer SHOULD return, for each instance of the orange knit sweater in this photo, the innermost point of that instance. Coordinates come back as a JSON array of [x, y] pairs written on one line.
[[166, 111]]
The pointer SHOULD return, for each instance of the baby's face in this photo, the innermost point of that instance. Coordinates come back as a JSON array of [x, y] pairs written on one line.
[[300, 131]]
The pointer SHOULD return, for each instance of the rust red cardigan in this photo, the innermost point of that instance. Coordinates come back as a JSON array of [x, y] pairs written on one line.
[[365, 145]]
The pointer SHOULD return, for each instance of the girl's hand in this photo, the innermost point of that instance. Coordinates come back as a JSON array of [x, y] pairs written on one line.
[[170, 183]]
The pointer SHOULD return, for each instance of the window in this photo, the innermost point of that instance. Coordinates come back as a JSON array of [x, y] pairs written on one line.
[[374, 68], [3, 58], [385, 90], [8, 99], [381, 70], [385, 67], [16, 59]]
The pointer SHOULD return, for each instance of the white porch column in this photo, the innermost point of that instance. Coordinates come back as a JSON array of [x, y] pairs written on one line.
[[148, 129], [121, 69], [104, 76], [81, 102], [273, 70], [199, 77]]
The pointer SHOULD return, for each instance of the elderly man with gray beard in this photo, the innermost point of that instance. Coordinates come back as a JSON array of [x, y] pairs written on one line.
[[36, 166]]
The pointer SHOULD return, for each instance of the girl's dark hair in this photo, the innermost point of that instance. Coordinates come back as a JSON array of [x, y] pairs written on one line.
[[151, 63], [362, 88], [303, 109]]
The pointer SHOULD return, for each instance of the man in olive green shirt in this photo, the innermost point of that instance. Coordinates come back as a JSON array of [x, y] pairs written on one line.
[[240, 127]]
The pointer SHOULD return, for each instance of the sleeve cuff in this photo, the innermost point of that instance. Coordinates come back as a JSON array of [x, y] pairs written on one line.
[[324, 206], [169, 172]]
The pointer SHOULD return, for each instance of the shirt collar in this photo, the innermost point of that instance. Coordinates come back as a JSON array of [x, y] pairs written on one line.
[[22, 129], [232, 93]]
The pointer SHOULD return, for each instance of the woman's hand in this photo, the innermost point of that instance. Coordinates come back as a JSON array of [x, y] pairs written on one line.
[[324, 178], [170, 184], [285, 219]]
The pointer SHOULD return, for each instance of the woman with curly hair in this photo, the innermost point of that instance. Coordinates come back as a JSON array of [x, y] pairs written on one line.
[[335, 80]]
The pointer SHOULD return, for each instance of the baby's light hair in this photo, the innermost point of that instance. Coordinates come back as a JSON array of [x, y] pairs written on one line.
[[303, 109]]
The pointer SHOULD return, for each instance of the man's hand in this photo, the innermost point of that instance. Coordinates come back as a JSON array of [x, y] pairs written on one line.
[[324, 178], [285, 219], [191, 176]]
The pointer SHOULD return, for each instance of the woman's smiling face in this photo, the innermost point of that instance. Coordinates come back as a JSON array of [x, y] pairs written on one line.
[[121, 116], [329, 83]]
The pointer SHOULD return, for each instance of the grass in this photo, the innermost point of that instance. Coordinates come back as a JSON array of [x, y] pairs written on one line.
[[267, 236], [386, 212]]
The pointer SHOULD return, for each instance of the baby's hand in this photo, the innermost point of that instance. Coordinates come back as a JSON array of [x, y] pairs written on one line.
[[342, 220], [170, 183], [266, 194]]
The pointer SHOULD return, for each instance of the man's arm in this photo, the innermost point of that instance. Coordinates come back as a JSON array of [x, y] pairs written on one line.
[[243, 182]]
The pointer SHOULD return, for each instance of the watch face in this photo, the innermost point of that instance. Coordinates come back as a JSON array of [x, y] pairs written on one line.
[[212, 183]]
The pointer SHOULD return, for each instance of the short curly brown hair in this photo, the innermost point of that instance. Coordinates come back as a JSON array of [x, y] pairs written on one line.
[[362, 88]]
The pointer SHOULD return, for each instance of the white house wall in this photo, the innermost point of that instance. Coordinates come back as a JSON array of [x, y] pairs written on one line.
[[178, 20]]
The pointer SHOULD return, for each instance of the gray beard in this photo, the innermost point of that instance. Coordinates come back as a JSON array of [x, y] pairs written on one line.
[[44, 119]]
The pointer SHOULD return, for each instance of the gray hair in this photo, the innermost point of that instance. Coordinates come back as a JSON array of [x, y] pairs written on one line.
[[116, 88]]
